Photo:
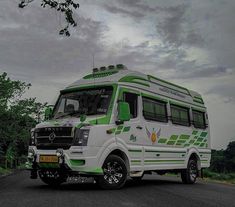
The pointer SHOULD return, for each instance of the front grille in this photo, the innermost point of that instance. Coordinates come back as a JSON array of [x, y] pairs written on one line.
[[54, 137]]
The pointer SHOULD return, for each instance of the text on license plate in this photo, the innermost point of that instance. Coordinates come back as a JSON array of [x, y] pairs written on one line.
[[48, 158]]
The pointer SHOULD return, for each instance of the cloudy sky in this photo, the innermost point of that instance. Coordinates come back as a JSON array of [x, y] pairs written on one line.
[[188, 42]]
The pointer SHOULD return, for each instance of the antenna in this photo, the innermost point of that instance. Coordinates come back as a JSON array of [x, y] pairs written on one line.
[[93, 60], [93, 66]]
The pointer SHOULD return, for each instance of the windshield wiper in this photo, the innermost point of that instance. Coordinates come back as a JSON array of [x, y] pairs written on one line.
[[68, 114]]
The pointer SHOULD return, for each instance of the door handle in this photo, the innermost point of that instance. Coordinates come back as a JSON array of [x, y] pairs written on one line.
[[139, 127]]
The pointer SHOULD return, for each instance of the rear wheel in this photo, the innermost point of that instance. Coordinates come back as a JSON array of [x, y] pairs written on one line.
[[52, 177], [189, 175], [115, 173]]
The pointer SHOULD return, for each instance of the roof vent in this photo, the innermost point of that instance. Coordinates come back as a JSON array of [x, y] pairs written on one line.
[[103, 68], [95, 70], [121, 67], [111, 67]]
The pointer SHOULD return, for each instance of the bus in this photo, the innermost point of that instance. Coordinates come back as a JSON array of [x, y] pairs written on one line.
[[114, 124]]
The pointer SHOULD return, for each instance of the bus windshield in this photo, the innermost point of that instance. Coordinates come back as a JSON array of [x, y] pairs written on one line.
[[91, 101]]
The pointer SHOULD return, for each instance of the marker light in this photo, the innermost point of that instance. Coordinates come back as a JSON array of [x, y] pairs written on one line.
[[95, 70], [103, 68], [111, 67], [59, 152], [121, 67]]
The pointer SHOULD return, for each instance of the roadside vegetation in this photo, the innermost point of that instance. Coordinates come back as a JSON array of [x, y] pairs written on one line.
[[17, 116], [222, 164]]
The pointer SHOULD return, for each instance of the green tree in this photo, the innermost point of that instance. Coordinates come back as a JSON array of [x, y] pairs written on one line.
[[230, 157], [17, 116], [223, 161], [66, 7]]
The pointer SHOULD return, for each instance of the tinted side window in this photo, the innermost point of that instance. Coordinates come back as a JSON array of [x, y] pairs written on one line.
[[199, 119], [132, 100], [154, 110], [180, 115]]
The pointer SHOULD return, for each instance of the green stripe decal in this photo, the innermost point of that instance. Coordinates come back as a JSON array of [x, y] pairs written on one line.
[[194, 132], [135, 79], [119, 127], [164, 151], [173, 137], [118, 132], [100, 74], [203, 134], [184, 136], [126, 129], [135, 150], [162, 140], [170, 142], [136, 161], [94, 171], [77, 162], [161, 161]]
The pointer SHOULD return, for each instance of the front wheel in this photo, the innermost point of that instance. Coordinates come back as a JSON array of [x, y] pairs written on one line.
[[189, 175], [115, 173]]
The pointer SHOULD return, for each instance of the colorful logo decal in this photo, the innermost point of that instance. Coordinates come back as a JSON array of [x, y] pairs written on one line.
[[154, 135]]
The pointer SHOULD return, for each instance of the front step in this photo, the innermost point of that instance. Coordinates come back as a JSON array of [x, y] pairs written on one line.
[[136, 174]]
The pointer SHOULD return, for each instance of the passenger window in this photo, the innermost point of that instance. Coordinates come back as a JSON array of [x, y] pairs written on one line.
[[199, 119], [154, 110], [132, 100], [180, 115]]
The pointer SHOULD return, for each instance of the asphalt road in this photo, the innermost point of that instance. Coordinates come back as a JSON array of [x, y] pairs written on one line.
[[19, 190]]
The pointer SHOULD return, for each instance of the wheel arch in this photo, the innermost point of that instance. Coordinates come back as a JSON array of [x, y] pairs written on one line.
[[116, 150], [123, 155], [194, 154]]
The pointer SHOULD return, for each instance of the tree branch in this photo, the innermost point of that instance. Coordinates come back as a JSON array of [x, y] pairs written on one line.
[[66, 7]]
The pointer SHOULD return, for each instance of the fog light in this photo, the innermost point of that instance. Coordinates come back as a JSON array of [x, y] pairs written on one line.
[[59, 153], [31, 153]]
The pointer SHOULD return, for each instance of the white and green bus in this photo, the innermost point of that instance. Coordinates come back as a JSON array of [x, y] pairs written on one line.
[[116, 123]]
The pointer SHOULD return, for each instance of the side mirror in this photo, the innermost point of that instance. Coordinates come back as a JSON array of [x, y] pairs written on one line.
[[123, 112], [48, 112]]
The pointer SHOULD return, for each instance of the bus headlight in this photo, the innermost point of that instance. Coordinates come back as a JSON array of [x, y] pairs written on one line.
[[81, 137]]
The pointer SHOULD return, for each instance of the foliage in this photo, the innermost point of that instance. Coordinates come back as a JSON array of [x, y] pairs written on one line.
[[230, 177], [223, 161], [66, 7], [17, 116]]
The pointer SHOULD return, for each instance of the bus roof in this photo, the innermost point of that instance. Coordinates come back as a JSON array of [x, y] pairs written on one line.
[[121, 75]]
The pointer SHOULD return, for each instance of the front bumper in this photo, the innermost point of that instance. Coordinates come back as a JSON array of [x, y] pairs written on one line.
[[75, 160]]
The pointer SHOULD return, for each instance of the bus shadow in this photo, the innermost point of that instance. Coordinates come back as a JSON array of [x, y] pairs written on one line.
[[90, 186]]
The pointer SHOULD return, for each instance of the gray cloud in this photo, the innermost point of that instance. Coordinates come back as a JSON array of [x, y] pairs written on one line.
[[185, 41], [125, 12], [225, 91], [33, 48]]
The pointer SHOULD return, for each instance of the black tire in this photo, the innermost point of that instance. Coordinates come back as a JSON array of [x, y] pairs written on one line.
[[189, 175], [115, 173], [55, 181]]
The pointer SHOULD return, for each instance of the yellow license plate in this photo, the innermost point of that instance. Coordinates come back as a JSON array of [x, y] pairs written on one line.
[[48, 158]]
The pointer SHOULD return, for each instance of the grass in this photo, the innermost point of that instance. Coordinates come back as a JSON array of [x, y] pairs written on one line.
[[213, 176], [224, 177], [4, 171]]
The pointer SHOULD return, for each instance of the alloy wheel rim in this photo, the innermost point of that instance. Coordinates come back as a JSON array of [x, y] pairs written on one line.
[[113, 172], [193, 171]]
